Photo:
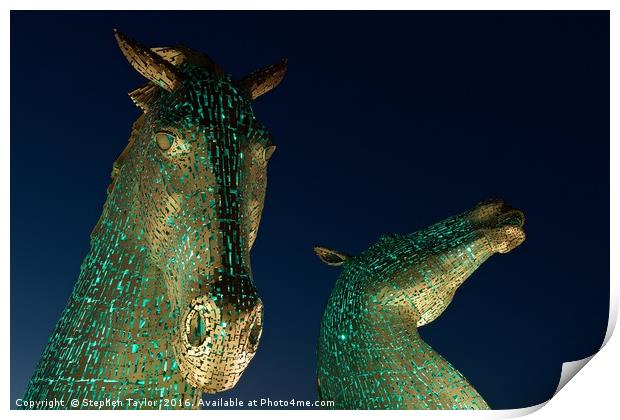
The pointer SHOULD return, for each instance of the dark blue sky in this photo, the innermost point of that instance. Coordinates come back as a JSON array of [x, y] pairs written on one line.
[[386, 122]]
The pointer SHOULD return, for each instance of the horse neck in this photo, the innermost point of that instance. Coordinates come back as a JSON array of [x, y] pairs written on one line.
[[426, 379], [109, 340], [374, 357]]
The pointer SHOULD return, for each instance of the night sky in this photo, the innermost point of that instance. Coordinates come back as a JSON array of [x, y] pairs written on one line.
[[385, 123]]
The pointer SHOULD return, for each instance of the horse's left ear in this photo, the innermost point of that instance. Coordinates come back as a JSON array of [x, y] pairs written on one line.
[[262, 81], [331, 257]]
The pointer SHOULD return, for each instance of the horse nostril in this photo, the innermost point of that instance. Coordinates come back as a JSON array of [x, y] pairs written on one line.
[[255, 333], [198, 330], [257, 327]]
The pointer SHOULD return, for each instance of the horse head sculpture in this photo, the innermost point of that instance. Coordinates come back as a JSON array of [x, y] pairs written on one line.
[[165, 306], [370, 354]]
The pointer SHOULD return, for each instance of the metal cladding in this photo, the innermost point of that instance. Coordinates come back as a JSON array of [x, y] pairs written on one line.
[[165, 307], [370, 355]]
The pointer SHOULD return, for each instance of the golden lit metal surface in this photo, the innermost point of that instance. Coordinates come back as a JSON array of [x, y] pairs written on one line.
[[165, 307], [370, 355]]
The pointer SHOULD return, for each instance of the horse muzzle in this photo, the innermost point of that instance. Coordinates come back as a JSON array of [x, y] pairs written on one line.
[[216, 342]]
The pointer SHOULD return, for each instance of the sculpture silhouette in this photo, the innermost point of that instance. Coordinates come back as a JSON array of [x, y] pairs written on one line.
[[165, 307], [370, 355]]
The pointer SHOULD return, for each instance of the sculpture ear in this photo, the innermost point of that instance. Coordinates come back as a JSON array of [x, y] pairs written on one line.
[[331, 257], [263, 80], [148, 63]]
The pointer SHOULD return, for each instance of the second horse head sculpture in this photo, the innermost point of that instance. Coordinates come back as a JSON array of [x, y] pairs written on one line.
[[370, 354]]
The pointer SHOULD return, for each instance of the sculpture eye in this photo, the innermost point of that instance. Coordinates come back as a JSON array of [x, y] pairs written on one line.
[[164, 140]]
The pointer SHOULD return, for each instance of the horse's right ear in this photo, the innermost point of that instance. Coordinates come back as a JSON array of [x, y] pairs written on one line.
[[331, 257], [148, 63]]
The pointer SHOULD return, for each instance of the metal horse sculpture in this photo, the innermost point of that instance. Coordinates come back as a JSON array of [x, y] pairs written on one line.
[[165, 307], [370, 355]]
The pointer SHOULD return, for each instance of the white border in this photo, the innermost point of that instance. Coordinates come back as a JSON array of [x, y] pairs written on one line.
[[594, 394], [312, 5]]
